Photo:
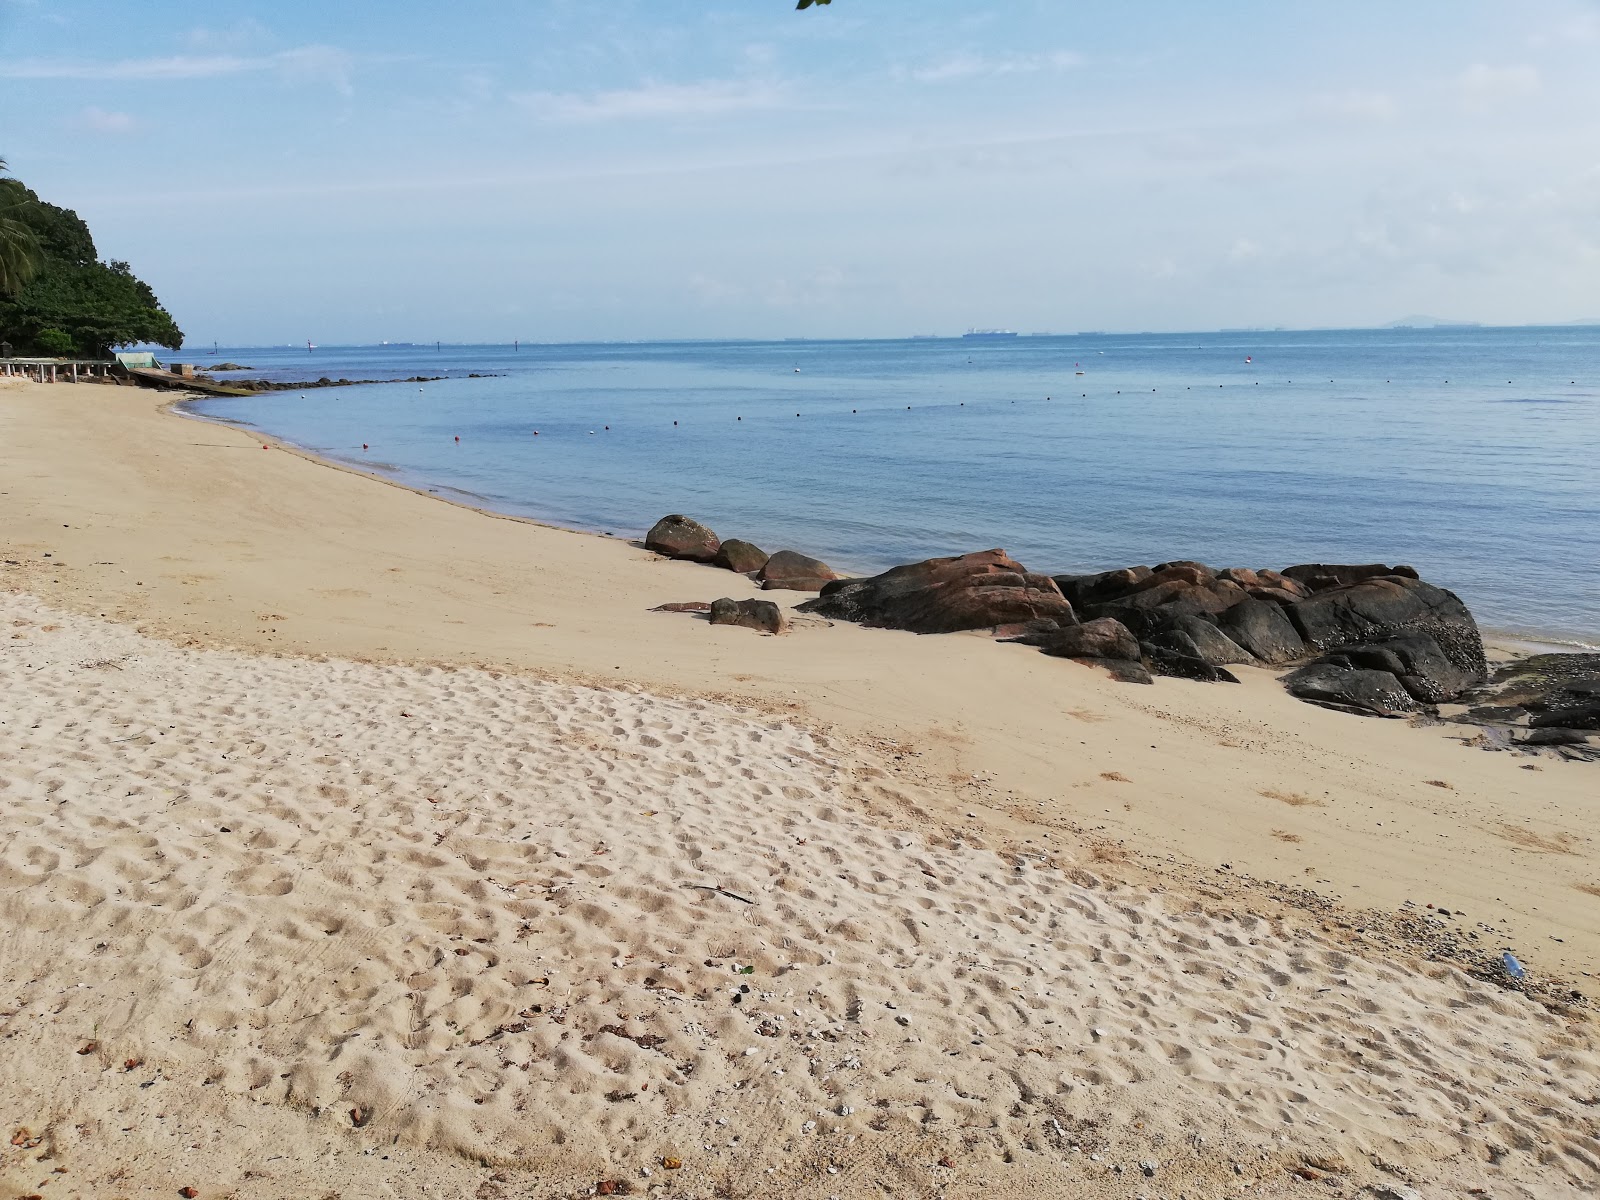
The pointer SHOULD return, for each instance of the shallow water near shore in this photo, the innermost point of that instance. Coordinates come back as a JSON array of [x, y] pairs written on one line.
[[1468, 453]]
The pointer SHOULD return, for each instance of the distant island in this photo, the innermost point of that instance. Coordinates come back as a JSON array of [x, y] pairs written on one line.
[[1422, 322]]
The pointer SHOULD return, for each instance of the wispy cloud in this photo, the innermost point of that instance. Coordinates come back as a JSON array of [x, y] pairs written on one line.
[[1483, 86], [1357, 104], [98, 120], [240, 35], [968, 66], [325, 62], [656, 100]]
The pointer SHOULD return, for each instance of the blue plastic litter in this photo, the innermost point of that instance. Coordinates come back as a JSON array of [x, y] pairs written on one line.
[[1512, 966]]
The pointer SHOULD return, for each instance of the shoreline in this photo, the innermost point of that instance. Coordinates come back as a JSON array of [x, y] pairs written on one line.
[[1518, 641], [1022, 739], [413, 851]]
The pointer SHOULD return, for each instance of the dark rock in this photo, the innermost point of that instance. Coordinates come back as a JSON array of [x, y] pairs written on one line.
[[1375, 609], [678, 536], [1083, 590], [1279, 596], [1555, 737], [1203, 640], [1104, 638], [1577, 716], [1262, 628], [1120, 669], [735, 555], [762, 615], [986, 590], [1374, 693], [1183, 663], [795, 573], [1415, 659]]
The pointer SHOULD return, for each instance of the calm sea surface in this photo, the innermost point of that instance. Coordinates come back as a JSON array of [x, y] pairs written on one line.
[[1472, 454]]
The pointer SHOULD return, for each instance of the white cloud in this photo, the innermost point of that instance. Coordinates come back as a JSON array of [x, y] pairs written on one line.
[[653, 100], [238, 36], [98, 120], [1483, 86], [324, 62], [1357, 104], [968, 66]]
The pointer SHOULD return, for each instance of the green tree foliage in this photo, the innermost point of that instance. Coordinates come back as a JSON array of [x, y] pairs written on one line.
[[72, 303], [56, 343], [19, 248], [809, 3]]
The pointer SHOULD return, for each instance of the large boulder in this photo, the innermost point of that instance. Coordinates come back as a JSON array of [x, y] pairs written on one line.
[[1180, 659], [762, 615], [1377, 608], [1104, 638], [986, 590], [1351, 689], [1415, 660], [743, 557], [678, 536], [1196, 638], [1263, 629], [790, 571]]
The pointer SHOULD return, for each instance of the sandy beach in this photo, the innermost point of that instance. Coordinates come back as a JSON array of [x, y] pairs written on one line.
[[358, 843]]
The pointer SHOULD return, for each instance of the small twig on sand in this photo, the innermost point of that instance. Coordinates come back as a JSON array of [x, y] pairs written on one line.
[[700, 887]]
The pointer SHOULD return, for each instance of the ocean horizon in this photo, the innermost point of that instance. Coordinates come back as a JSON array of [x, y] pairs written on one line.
[[1465, 451]]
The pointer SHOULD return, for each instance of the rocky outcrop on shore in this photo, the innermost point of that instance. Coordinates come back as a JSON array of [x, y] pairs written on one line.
[[1370, 638], [678, 536], [1549, 701]]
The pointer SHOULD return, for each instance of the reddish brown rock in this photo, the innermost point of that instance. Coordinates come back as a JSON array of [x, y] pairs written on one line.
[[1243, 576], [678, 536], [793, 572], [1275, 595], [986, 590], [1317, 577], [1276, 579], [740, 556], [761, 615]]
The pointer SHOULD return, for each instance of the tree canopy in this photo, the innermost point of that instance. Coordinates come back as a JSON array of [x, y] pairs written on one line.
[[19, 248], [57, 298]]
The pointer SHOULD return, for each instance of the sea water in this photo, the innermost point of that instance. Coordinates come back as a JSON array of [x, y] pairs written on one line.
[[1471, 454]]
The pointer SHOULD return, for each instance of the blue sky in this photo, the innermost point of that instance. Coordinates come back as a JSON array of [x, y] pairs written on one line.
[[613, 169]]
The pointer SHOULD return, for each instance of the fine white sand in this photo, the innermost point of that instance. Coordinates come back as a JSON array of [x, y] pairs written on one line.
[[281, 927]]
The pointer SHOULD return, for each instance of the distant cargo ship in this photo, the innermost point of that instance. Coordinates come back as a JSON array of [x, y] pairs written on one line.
[[990, 333]]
